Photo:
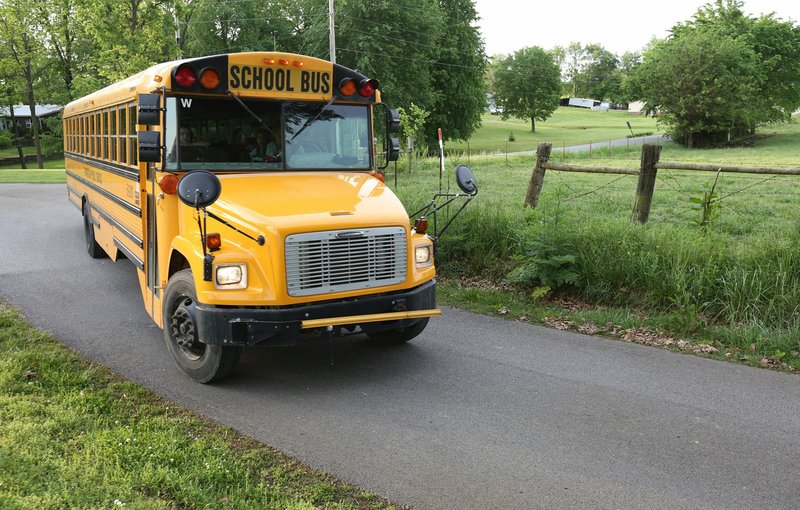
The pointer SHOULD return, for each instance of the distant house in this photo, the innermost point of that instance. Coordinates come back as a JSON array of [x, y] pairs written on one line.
[[636, 107], [22, 115]]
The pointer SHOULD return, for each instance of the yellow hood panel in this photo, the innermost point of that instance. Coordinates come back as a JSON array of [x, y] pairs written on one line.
[[289, 202]]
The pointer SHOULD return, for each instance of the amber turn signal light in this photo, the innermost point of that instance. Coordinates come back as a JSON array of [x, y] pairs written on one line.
[[213, 241], [209, 78], [169, 184], [347, 87], [421, 225]]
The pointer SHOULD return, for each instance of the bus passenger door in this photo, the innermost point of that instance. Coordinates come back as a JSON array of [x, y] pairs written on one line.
[[148, 106]]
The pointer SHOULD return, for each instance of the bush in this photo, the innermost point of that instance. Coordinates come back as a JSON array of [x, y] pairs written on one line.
[[5, 139]]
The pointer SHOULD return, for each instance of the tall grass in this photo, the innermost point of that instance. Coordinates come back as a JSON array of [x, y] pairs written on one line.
[[742, 272]]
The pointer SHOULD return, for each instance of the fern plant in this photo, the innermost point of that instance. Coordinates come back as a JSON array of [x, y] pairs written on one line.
[[544, 266]]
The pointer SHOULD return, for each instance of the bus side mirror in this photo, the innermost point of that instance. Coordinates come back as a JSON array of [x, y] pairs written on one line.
[[392, 121], [466, 180], [393, 150], [199, 189], [149, 146], [149, 109]]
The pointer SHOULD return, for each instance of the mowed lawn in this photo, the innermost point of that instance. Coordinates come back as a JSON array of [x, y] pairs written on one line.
[[12, 152], [567, 126], [49, 175]]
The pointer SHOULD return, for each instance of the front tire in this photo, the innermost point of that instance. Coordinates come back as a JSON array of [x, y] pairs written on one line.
[[399, 335], [202, 362]]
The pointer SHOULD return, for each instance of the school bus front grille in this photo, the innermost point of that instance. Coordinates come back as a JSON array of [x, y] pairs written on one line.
[[342, 260]]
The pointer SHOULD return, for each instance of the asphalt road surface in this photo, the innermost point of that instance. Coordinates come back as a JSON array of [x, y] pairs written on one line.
[[605, 144], [476, 413]]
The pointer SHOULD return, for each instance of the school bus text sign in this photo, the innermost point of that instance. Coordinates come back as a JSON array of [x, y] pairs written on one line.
[[280, 81]]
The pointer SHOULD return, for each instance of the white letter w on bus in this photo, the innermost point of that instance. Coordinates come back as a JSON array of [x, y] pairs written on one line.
[[186, 102]]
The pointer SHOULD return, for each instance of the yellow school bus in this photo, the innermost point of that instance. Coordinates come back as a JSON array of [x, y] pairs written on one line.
[[245, 190]]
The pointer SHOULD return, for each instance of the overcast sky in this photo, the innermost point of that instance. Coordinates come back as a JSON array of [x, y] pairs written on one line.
[[618, 25]]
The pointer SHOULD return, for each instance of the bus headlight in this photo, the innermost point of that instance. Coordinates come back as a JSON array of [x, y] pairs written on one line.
[[230, 276], [423, 255]]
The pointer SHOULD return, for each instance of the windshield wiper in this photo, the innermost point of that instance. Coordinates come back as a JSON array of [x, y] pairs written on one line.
[[311, 120], [252, 114]]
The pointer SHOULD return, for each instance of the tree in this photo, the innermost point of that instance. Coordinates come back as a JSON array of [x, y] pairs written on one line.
[[210, 27], [720, 74], [66, 44], [601, 74], [702, 84], [573, 62], [426, 52], [21, 36], [394, 42], [458, 73], [128, 36], [527, 84], [589, 71]]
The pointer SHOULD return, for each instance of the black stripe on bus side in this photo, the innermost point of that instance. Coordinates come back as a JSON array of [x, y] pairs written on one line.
[[136, 261], [114, 198], [119, 226], [120, 170]]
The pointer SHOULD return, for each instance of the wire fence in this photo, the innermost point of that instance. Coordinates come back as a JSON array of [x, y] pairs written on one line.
[[738, 201]]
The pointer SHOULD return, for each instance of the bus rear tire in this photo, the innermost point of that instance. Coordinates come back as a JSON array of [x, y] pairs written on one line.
[[95, 250], [398, 335], [202, 362]]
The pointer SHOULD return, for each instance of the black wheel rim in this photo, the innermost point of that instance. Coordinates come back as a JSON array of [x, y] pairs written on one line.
[[182, 329]]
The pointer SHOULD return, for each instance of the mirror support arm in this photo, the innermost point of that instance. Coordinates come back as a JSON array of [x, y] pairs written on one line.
[[260, 239]]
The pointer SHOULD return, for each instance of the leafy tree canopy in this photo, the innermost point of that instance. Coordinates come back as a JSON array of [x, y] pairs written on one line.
[[720, 74], [527, 85]]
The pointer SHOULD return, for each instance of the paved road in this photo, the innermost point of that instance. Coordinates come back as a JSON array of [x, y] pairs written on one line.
[[477, 413], [604, 144]]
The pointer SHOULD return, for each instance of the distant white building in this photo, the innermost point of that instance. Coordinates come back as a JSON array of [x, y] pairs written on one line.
[[22, 114], [636, 107]]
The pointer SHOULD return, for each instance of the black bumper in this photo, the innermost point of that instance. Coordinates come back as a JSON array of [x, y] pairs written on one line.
[[221, 325]]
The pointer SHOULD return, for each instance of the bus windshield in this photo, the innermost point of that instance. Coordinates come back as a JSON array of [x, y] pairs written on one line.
[[219, 134]]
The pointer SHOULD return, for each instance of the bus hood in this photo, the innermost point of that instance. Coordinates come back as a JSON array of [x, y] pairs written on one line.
[[289, 202]]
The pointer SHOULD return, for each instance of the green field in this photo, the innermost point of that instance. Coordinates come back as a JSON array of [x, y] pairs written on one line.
[[567, 126], [734, 284]]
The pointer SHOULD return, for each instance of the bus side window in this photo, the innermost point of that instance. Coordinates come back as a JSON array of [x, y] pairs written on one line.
[[112, 134], [123, 130], [134, 156]]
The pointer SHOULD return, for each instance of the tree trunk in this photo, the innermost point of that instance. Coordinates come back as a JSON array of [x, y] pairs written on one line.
[[533, 125], [34, 119], [19, 140]]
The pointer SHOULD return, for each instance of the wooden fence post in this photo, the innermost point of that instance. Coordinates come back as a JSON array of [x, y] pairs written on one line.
[[647, 183], [537, 177]]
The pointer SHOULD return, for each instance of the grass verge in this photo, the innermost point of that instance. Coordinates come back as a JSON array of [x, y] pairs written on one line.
[[54, 175], [672, 330], [72, 435]]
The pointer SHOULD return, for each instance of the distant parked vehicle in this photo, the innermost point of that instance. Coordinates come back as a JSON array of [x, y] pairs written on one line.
[[495, 110]]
